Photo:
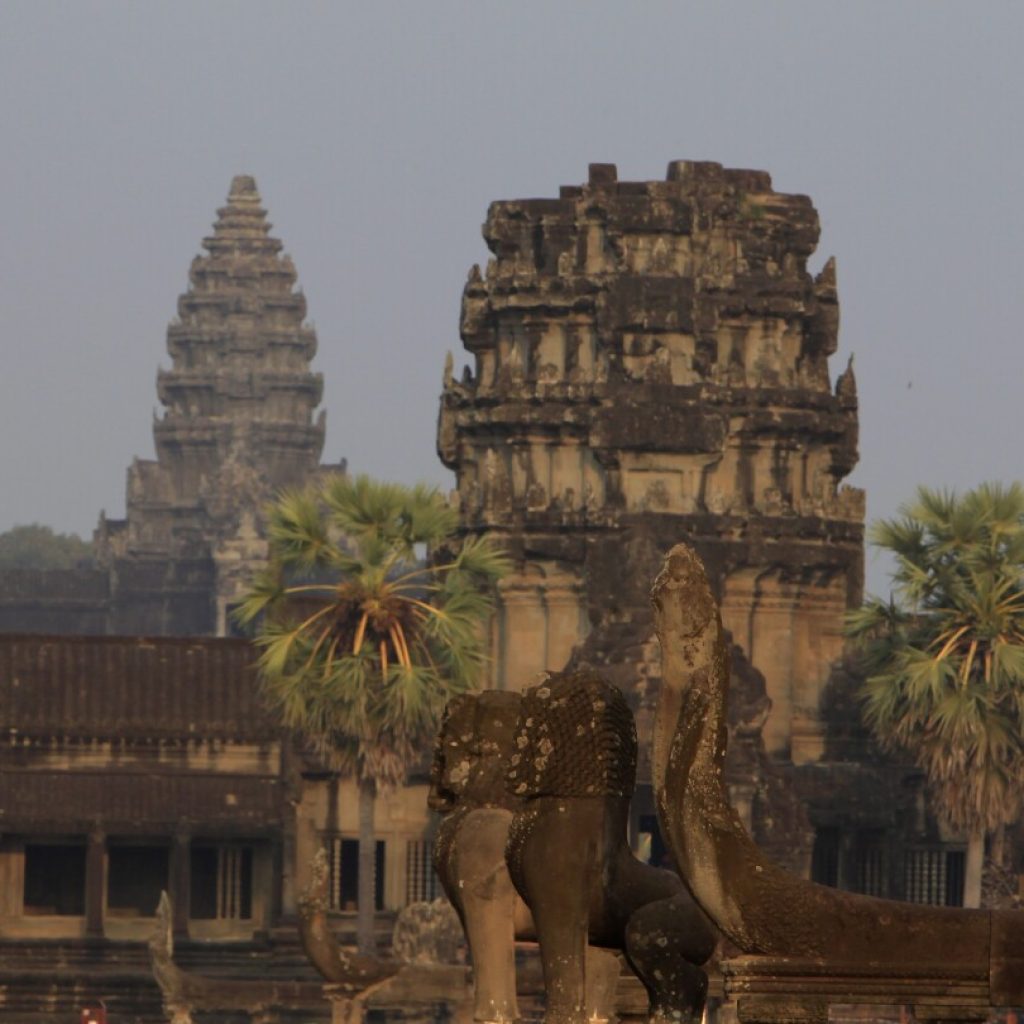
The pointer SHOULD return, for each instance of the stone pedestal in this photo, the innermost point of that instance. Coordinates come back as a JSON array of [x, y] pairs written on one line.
[[417, 994], [787, 990]]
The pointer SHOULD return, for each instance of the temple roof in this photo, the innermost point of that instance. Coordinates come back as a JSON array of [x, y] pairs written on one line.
[[130, 688]]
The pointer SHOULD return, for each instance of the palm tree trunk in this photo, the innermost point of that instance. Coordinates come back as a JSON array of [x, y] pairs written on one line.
[[997, 853], [972, 870], [367, 916]]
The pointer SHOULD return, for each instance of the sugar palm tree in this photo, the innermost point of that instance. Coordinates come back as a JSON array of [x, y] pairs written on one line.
[[363, 639], [945, 656]]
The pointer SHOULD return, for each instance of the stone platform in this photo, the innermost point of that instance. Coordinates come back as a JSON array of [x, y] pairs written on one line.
[[788, 990]]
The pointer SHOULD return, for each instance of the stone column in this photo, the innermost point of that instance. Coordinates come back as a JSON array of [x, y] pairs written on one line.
[[772, 652], [294, 810], [523, 636], [274, 910], [533, 335], [760, 610], [180, 880], [564, 624], [95, 882], [818, 645], [12, 878]]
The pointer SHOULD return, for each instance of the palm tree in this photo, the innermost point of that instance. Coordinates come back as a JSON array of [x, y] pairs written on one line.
[[363, 637], [945, 656]]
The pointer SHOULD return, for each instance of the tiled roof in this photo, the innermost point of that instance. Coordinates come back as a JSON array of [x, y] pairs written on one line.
[[130, 688]]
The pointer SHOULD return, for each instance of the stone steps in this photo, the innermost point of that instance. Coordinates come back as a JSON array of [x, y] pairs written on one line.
[[58, 998], [52, 980]]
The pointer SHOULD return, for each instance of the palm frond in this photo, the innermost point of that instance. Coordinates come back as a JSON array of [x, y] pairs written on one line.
[[365, 509], [297, 531], [361, 639], [1008, 663], [430, 518], [945, 662], [483, 558], [266, 590]]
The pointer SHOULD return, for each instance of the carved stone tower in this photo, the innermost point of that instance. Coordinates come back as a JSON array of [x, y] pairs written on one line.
[[239, 420], [651, 365]]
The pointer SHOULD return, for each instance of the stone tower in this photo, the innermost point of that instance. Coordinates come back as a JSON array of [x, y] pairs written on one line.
[[651, 365], [239, 423]]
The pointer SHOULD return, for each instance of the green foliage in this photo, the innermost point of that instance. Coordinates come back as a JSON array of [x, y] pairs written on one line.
[[945, 655], [362, 640], [37, 547]]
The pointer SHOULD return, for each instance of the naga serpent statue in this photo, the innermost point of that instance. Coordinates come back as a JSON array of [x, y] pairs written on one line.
[[761, 908]]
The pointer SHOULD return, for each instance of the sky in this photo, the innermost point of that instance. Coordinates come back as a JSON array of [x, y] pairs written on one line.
[[379, 132]]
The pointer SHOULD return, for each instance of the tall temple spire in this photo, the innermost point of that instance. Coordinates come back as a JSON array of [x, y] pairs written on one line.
[[239, 419], [240, 352]]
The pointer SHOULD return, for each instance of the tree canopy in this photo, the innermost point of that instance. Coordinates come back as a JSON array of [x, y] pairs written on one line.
[[370, 616], [944, 656], [364, 637], [34, 546]]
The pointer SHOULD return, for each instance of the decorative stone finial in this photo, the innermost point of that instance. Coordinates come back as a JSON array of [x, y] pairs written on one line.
[[243, 185], [602, 174], [827, 275], [846, 385]]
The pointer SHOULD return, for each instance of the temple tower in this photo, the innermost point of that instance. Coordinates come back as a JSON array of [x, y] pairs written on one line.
[[239, 423], [651, 365], [240, 380]]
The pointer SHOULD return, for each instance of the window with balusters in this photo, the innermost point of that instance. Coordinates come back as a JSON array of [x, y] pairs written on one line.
[[421, 881], [934, 875], [221, 884], [343, 873]]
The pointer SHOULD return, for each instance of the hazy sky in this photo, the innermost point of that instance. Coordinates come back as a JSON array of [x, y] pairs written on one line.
[[379, 132]]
